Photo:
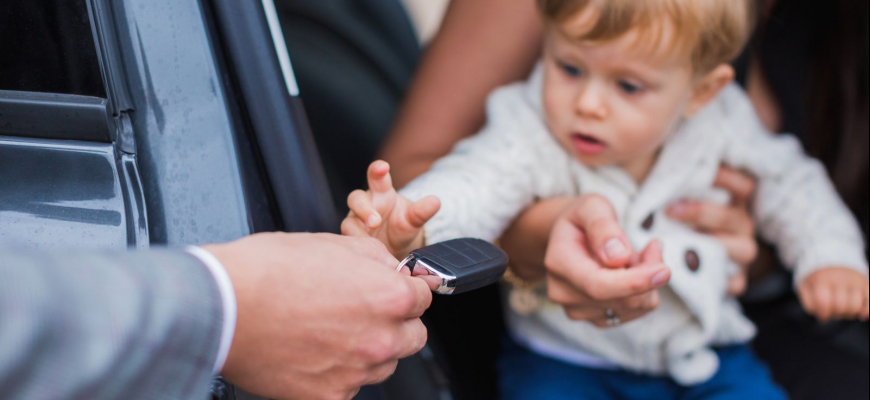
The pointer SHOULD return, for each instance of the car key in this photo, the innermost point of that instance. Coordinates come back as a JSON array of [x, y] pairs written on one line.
[[462, 264]]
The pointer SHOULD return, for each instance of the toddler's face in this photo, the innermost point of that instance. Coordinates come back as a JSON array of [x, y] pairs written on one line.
[[612, 103]]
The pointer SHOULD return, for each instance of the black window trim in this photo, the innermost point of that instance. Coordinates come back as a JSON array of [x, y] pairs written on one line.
[[55, 116], [74, 117], [277, 118]]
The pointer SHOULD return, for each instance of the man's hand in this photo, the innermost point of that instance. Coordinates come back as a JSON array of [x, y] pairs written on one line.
[[383, 214], [319, 316], [586, 263], [836, 294]]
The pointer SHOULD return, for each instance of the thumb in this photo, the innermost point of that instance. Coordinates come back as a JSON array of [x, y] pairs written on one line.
[[652, 254], [422, 211], [622, 283]]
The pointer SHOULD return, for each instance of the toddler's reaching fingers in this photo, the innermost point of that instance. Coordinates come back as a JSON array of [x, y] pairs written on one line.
[[354, 226], [380, 181], [422, 211], [363, 208]]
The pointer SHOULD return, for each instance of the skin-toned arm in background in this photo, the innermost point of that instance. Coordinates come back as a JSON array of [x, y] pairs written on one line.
[[483, 44]]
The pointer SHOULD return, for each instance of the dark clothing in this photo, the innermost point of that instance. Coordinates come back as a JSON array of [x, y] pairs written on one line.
[[353, 60], [810, 360], [794, 46], [527, 375]]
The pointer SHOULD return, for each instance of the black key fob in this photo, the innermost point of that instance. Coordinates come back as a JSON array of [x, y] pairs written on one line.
[[462, 264]]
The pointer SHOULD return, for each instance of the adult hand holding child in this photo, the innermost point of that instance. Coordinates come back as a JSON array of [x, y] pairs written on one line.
[[592, 271]]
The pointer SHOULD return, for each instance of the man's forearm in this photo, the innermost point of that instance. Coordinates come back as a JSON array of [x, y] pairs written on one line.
[[482, 45], [107, 326]]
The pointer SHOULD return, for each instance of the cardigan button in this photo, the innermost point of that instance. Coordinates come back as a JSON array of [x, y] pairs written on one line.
[[648, 222], [693, 260]]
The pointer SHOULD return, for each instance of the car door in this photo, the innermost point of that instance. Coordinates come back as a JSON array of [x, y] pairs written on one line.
[[68, 168]]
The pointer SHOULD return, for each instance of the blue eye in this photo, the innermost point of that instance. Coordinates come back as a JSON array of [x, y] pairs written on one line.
[[570, 70], [629, 88]]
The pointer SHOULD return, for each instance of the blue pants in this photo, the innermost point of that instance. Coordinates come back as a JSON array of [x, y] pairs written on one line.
[[528, 376]]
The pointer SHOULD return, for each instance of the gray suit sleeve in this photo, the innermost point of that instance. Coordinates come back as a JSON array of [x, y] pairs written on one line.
[[99, 326]]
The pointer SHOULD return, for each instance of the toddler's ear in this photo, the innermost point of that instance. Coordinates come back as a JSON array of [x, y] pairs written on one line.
[[707, 88]]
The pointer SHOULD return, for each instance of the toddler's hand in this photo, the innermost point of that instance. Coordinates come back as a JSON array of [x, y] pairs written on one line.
[[836, 294], [383, 214]]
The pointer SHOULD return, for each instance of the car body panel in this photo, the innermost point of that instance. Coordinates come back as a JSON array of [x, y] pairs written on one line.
[[58, 194]]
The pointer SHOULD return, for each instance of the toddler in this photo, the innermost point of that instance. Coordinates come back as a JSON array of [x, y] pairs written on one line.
[[634, 101]]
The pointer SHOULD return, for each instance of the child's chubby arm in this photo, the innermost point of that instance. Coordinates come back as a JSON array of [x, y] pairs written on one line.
[[836, 294], [798, 208], [385, 215]]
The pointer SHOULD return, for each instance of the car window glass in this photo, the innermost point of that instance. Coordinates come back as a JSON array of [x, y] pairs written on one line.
[[48, 46]]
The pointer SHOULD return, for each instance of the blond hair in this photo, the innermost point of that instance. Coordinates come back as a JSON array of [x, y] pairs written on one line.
[[712, 32]]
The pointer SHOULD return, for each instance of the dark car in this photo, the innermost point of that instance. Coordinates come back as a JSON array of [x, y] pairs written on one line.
[[134, 123]]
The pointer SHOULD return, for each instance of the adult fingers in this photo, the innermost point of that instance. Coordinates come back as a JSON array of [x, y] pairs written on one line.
[[615, 284], [412, 338], [422, 293], [563, 293], [595, 216], [652, 254], [367, 247], [581, 308], [379, 177], [422, 211], [567, 247], [743, 250], [710, 217], [433, 281], [602, 321], [379, 374], [567, 258], [567, 251], [362, 206], [739, 184]]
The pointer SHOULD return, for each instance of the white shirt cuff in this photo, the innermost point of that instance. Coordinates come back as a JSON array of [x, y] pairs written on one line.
[[228, 298]]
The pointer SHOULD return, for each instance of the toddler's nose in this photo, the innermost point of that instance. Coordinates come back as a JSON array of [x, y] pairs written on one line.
[[590, 101]]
